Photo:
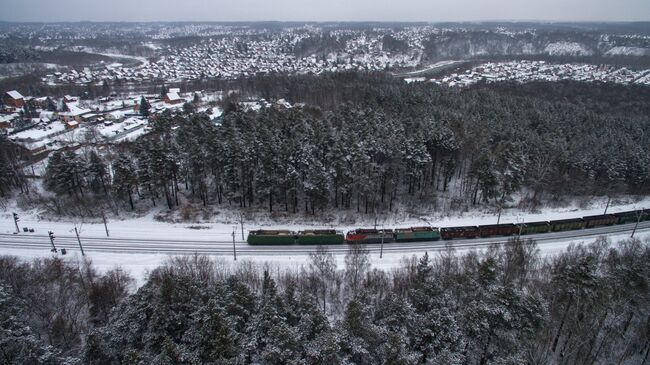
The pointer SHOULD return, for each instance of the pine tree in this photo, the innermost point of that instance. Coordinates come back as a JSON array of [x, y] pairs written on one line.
[[58, 177], [144, 107], [97, 173], [125, 178]]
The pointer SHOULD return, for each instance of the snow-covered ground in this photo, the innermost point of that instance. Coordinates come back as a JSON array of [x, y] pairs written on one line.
[[139, 265], [142, 60], [221, 225], [220, 231]]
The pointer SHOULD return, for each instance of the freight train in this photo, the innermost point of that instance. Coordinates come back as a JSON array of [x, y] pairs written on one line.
[[424, 234]]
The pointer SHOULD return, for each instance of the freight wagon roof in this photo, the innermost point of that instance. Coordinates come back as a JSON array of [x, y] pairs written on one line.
[[600, 216], [315, 232], [505, 225], [416, 229], [460, 229], [370, 231], [561, 221], [272, 233], [632, 212], [536, 224]]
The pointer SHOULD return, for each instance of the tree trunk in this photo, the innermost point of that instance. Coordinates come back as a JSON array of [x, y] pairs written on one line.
[[131, 201], [559, 330]]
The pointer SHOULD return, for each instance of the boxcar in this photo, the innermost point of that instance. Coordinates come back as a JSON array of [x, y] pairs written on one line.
[[626, 217], [600, 220], [414, 234], [320, 237], [370, 236], [567, 224], [497, 230], [534, 227], [449, 233], [271, 237]]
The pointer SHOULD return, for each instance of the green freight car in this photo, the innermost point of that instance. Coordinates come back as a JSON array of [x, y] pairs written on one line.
[[415, 234], [269, 237], [567, 224], [534, 227], [627, 217], [320, 237]]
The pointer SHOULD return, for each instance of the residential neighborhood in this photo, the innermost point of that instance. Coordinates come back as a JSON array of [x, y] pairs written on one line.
[[528, 71], [77, 122]]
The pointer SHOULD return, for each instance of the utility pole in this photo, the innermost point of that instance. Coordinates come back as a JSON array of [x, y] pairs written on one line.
[[381, 250], [16, 219], [241, 221], [234, 249], [76, 231], [637, 223], [105, 226], [499, 216], [607, 206], [51, 234]]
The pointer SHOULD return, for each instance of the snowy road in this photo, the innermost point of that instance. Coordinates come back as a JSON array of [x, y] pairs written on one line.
[[221, 247]]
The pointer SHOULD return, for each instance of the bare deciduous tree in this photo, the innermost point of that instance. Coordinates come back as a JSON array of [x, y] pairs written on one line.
[[323, 267], [357, 264]]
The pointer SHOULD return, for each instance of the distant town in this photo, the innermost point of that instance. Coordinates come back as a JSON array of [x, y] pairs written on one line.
[[528, 71]]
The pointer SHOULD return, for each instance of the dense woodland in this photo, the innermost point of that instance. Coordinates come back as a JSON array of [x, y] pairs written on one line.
[[506, 305], [368, 143]]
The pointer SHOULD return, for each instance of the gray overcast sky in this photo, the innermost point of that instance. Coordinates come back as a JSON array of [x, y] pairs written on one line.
[[324, 10]]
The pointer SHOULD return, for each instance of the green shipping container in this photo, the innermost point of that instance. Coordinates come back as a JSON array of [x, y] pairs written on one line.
[[267, 237], [320, 237], [415, 234]]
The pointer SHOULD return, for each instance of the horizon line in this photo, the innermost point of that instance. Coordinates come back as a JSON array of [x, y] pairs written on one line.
[[337, 21]]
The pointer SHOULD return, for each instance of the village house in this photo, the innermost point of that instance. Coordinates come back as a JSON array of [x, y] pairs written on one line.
[[14, 99], [173, 98], [6, 120], [75, 113]]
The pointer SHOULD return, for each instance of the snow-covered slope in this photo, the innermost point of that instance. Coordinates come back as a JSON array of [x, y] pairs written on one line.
[[567, 49]]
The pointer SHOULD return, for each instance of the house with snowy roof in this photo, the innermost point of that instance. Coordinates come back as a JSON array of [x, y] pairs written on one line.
[[74, 113], [173, 98], [14, 98], [7, 119]]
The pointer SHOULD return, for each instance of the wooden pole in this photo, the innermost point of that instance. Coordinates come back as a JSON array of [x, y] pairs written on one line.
[[76, 231], [241, 221], [16, 222], [637, 223], [381, 250], [105, 225], [234, 249], [499, 216]]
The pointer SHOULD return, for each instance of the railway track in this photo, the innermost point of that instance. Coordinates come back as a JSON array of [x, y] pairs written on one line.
[[221, 247]]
